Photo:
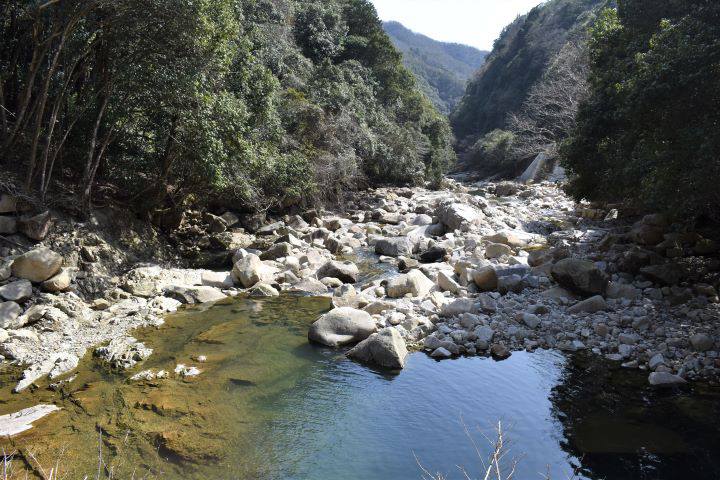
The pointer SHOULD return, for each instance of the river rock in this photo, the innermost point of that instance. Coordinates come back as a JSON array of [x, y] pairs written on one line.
[[507, 238], [669, 274], [580, 275], [251, 270], [18, 422], [485, 278], [665, 379], [433, 255], [459, 216], [37, 265], [263, 290], [123, 352], [591, 305], [221, 280], [279, 250], [447, 283], [36, 227], [19, 291], [617, 290], [414, 282], [194, 294], [346, 272], [309, 285], [702, 342], [394, 247], [9, 313], [497, 250], [59, 282], [5, 270], [385, 348], [441, 352], [458, 307], [342, 326]]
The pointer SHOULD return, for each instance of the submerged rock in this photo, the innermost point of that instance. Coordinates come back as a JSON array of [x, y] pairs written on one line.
[[15, 423], [342, 326], [123, 352], [385, 348]]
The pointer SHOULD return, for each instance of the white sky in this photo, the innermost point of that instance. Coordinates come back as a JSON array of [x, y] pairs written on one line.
[[472, 22]]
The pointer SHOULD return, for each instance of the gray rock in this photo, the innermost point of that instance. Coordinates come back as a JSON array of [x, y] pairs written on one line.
[[669, 274], [656, 361], [385, 348], [591, 305], [510, 283], [9, 313], [458, 307], [279, 250], [414, 282], [342, 326], [702, 342], [617, 290], [251, 270], [497, 250], [37, 265], [531, 320], [36, 227], [441, 352], [580, 275], [458, 216], [447, 283], [19, 291], [193, 295], [217, 279], [394, 247], [346, 272], [665, 379], [309, 285], [263, 290], [628, 338]]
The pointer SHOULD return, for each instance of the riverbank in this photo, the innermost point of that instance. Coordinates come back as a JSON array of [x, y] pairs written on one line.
[[488, 269]]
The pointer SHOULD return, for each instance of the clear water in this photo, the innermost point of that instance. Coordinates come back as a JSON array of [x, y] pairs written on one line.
[[269, 405]]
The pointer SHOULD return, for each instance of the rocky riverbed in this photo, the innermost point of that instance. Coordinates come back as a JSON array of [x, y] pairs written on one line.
[[482, 269]]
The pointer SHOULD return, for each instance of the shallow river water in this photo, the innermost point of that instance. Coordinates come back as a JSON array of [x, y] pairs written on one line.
[[268, 405]]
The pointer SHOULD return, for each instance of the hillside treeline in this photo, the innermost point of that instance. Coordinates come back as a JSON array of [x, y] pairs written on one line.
[[254, 103]]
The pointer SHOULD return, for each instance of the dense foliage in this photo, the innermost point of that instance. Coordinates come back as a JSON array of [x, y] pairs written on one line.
[[650, 133], [254, 103], [442, 69], [518, 61]]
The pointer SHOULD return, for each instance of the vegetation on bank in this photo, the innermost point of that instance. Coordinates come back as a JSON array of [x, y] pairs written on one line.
[[649, 135], [442, 69], [250, 103]]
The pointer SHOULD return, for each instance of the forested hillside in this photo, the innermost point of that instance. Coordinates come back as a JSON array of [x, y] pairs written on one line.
[[442, 69], [649, 134], [252, 103], [518, 61]]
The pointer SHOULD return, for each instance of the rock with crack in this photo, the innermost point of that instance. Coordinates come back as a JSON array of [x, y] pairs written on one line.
[[385, 348], [18, 422], [342, 326], [123, 352]]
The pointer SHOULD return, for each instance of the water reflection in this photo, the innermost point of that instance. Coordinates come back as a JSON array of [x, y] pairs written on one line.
[[623, 429]]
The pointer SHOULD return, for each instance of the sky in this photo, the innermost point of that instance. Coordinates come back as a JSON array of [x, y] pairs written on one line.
[[472, 22]]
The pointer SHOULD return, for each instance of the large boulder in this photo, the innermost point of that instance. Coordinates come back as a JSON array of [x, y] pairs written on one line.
[[309, 285], [385, 348], [414, 282], [507, 238], [250, 270], [342, 326], [36, 227], [37, 265], [580, 276], [394, 247], [458, 216], [346, 272]]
